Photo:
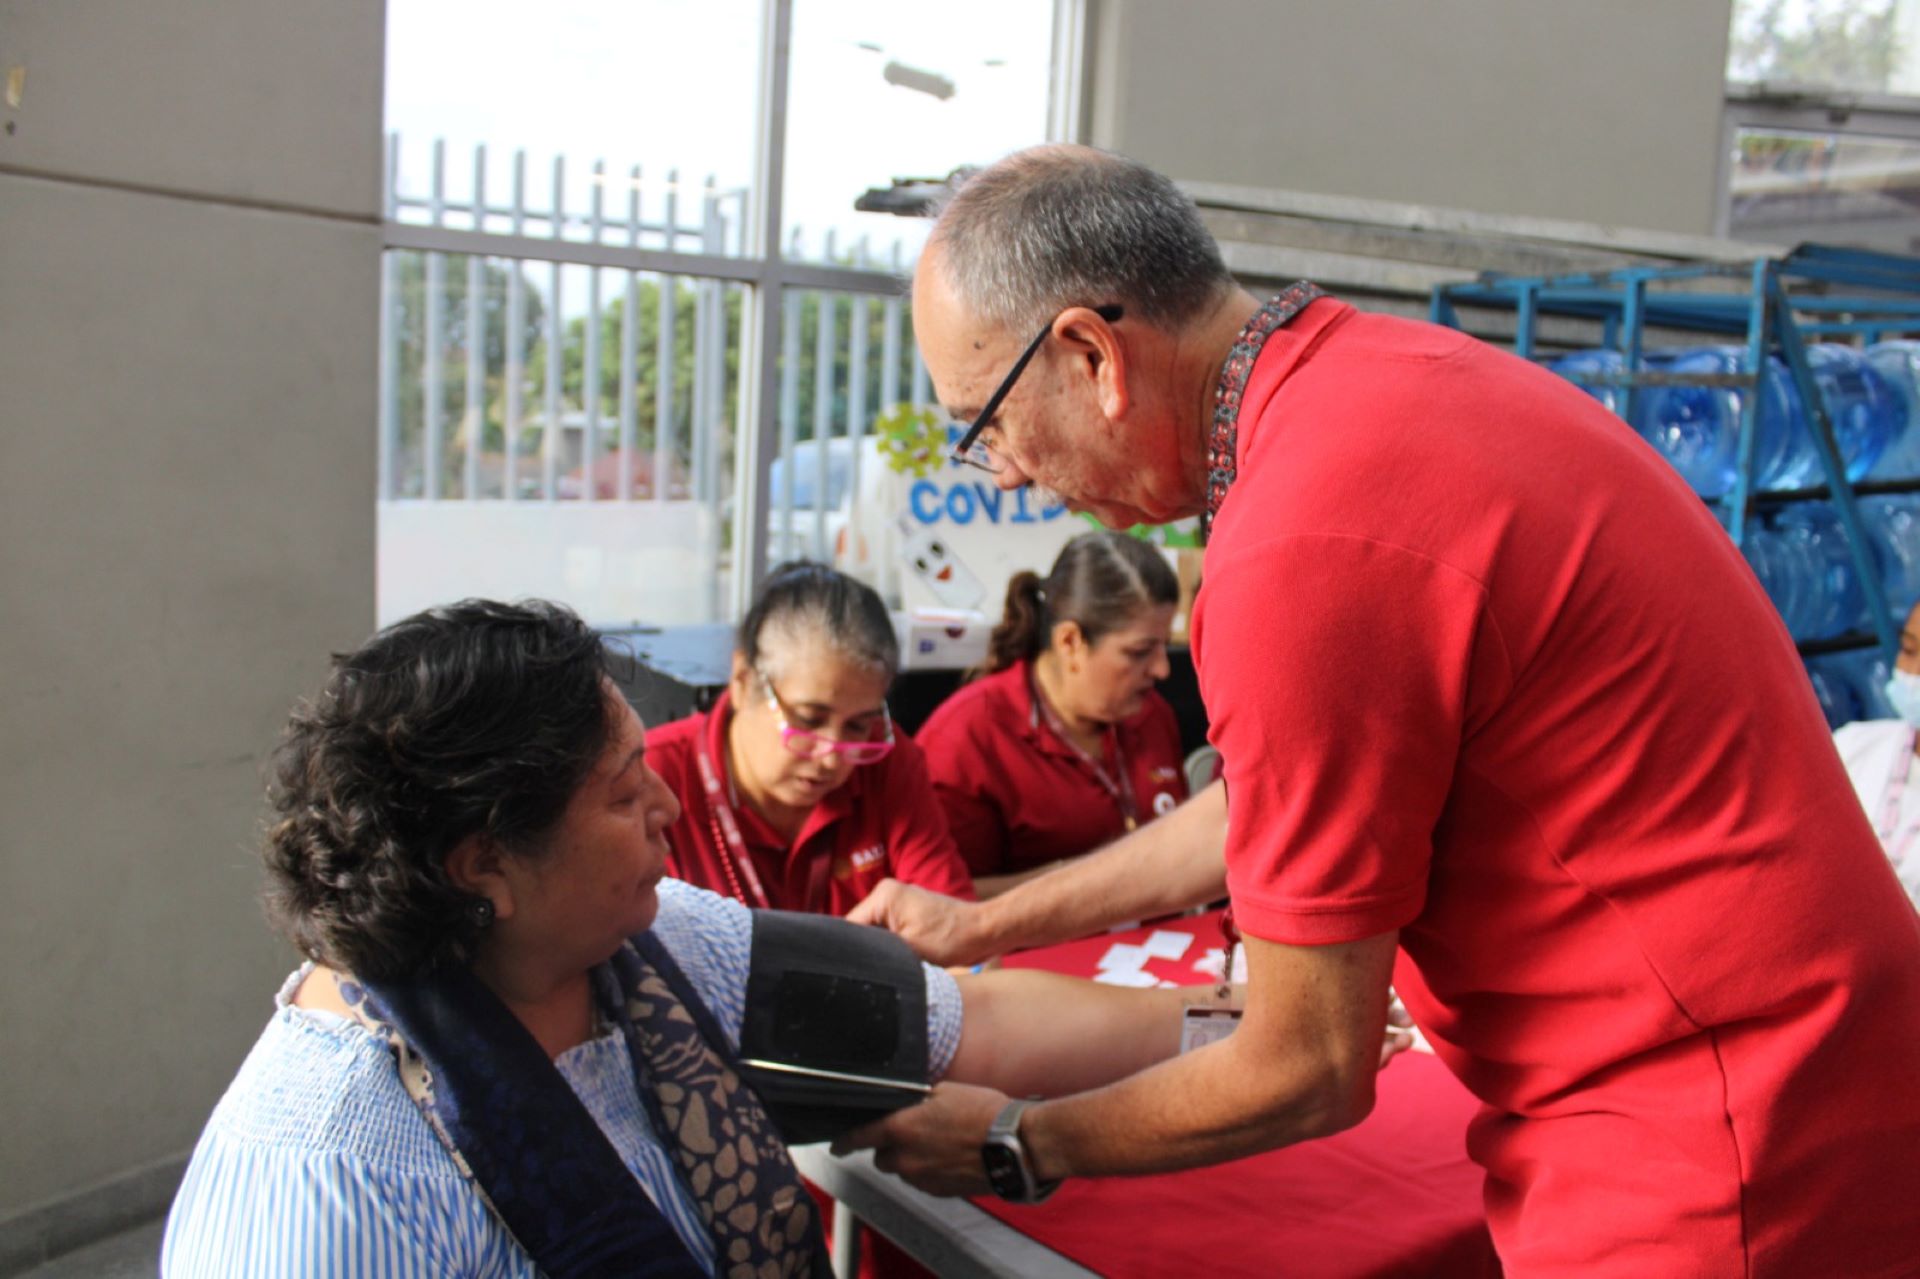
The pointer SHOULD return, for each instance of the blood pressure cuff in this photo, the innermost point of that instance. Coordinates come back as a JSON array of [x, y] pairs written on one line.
[[843, 1009]]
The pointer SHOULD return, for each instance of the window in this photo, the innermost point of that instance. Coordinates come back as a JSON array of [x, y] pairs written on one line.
[[580, 277], [1823, 122]]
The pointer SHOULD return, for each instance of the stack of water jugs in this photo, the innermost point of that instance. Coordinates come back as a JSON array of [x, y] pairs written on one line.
[[1798, 549]]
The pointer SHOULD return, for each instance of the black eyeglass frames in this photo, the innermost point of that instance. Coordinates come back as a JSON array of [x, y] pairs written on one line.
[[969, 451]]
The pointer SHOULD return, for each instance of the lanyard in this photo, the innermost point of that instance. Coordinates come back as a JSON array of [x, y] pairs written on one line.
[[1894, 800], [1223, 440], [734, 858], [737, 862], [1122, 790]]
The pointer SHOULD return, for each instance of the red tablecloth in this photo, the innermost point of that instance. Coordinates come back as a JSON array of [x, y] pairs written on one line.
[[1394, 1196]]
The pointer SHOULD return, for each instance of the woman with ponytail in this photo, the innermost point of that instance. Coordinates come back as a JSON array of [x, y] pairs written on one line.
[[1060, 743]]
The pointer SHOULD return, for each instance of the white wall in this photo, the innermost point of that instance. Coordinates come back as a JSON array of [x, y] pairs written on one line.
[[188, 305], [1601, 112]]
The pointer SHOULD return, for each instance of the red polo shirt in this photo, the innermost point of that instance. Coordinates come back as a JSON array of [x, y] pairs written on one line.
[[1016, 795], [883, 822], [1482, 669]]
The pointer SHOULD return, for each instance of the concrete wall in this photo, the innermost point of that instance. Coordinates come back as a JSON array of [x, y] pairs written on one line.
[[189, 283], [1596, 112]]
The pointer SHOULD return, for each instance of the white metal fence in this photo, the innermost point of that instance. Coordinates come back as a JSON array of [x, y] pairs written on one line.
[[563, 378]]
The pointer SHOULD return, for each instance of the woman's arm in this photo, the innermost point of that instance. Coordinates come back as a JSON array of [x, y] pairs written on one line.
[[1031, 1033]]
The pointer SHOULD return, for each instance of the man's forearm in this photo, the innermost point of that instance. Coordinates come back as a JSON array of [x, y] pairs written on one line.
[[1300, 1065], [1205, 1107], [1167, 865]]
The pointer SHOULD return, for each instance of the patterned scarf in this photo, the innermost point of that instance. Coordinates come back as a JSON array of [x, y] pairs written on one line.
[[1223, 442], [542, 1165]]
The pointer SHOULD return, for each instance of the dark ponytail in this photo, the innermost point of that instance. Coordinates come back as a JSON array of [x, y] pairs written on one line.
[[1023, 621], [1099, 580]]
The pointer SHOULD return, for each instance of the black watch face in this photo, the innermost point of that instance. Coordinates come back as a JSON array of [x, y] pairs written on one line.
[[1003, 1171]]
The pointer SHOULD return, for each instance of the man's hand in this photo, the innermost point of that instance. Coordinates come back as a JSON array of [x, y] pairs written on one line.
[[1399, 1030], [940, 929], [934, 1146]]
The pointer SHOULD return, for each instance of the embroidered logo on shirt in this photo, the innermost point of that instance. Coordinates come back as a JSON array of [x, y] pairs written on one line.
[[1164, 773], [863, 859]]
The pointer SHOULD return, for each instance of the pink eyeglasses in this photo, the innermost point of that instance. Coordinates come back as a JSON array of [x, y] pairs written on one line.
[[810, 745]]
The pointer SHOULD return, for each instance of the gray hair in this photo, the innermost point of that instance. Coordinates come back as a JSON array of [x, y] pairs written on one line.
[[1058, 226], [802, 601]]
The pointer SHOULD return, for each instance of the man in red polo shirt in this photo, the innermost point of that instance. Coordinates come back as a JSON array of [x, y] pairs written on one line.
[[1498, 699]]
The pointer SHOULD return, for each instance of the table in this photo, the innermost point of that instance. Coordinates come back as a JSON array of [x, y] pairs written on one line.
[[1395, 1196]]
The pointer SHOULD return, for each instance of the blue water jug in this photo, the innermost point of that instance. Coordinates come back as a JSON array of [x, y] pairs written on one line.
[[1840, 601], [1899, 364], [1697, 428], [1583, 367], [1893, 528], [1865, 671], [1863, 407], [1788, 576], [1839, 701]]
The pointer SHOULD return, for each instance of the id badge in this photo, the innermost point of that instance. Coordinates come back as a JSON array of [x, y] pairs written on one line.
[[1203, 1024], [1208, 1015]]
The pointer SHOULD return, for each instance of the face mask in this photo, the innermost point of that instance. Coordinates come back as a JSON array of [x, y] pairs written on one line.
[[1903, 691]]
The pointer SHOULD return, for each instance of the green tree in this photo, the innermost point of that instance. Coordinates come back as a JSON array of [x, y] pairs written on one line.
[[1849, 44], [408, 331]]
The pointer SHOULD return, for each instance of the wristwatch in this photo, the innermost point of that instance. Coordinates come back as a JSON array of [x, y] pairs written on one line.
[[1008, 1170]]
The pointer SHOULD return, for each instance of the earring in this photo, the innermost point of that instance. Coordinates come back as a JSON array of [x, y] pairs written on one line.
[[480, 912]]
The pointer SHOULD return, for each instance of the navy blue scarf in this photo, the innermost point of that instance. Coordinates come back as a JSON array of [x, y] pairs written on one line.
[[541, 1162]]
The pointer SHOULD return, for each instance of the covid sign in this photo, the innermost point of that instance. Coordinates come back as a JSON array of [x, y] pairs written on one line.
[[965, 501]]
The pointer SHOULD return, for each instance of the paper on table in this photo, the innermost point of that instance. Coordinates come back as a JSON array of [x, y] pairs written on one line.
[[1128, 977], [1166, 944], [1210, 964], [1125, 955]]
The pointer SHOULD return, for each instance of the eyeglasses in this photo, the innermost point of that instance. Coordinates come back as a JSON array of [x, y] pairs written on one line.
[[810, 745], [970, 451]]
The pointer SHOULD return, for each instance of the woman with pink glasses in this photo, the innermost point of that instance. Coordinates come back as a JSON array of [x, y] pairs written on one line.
[[798, 792]]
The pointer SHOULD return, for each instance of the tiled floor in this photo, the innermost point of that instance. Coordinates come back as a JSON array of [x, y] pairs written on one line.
[[124, 1256]]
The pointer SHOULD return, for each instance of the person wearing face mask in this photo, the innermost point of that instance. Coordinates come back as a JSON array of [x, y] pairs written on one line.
[[1879, 755], [799, 791], [1063, 745]]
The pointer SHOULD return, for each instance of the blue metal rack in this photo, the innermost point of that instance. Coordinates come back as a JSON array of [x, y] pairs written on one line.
[[1775, 306]]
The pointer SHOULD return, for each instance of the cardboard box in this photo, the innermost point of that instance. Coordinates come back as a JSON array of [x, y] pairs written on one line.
[[942, 639]]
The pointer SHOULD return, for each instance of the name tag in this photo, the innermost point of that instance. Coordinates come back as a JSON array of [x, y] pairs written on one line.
[[1202, 1025]]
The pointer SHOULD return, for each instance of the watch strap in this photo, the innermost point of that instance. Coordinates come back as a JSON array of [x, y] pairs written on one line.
[[1004, 1147]]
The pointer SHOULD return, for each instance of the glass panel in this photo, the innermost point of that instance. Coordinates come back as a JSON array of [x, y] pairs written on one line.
[[1859, 46], [628, 123], [858, 423], [1839, 188], [880, 90], [598, 467]]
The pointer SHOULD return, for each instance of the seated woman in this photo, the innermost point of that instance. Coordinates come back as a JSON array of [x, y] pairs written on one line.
[[513, 1047], [1064, 745], [799, 792], [1879, 755]]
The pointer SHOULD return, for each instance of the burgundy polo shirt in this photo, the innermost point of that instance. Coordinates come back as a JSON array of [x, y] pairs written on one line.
[[1017, 796], [884, 821]]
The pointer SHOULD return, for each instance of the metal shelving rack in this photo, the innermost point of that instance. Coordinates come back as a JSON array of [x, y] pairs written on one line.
[[1771, 306]]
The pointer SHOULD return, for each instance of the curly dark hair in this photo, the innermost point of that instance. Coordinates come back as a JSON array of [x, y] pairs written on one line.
[[474, 717]]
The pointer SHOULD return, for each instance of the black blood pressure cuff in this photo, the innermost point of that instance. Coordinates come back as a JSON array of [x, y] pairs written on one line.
[[835, 1031]]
